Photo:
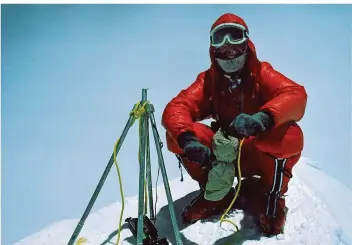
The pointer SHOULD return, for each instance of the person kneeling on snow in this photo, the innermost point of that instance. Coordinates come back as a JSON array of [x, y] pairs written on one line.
[[250, 100]]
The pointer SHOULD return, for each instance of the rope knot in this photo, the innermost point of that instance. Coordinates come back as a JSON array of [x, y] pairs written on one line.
[[138, 110]]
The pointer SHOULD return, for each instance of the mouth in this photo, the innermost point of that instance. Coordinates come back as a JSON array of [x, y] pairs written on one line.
[[231, 56]]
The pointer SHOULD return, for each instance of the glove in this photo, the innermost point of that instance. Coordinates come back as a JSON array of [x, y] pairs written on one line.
[[250, 125], [193, 149]]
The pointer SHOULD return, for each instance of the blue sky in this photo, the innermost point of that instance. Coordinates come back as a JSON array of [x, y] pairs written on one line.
[[71, 74]]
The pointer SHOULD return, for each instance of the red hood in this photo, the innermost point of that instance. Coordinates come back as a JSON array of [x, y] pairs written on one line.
[[231, 18]]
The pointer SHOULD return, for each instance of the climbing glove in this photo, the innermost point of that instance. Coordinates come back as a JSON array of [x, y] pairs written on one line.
[[193, 149], [250, 125]]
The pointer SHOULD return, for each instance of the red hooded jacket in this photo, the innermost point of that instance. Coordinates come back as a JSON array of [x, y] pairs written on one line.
[[264, 89]]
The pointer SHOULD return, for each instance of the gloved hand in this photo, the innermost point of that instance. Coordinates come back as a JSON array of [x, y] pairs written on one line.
[[250, 125], [193, 149]]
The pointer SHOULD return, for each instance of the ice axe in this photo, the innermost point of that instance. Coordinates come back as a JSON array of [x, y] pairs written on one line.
[[150, 233]]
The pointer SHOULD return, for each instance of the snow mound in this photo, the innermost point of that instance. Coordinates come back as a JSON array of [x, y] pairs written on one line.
[[316, 217]]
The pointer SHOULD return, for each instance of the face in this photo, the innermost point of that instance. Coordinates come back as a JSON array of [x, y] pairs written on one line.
[[230, 42]]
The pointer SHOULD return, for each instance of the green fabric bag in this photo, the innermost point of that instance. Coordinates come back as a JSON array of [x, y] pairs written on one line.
[[222, 175]]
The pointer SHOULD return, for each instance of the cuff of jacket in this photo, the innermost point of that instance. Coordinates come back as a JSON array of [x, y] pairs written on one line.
[[267, 119]]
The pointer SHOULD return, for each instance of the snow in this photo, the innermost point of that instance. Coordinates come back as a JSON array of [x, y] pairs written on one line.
[[320, 209]]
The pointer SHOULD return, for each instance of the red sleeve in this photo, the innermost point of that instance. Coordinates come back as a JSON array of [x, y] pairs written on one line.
[[190, 105], [284, 99]]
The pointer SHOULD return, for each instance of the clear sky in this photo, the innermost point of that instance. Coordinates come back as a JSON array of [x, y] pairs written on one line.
[[71, 74]]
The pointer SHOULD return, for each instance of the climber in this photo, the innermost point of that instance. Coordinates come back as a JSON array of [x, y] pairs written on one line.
[[247, 99]]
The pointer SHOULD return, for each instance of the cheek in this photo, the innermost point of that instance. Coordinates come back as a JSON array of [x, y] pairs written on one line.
[[242, 47]]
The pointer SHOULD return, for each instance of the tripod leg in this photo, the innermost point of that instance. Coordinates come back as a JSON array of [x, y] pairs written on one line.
[[149, 174], [165, 180], [100, 184], [142, 159]]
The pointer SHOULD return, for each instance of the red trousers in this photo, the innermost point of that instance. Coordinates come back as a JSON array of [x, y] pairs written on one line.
[[270, 155]]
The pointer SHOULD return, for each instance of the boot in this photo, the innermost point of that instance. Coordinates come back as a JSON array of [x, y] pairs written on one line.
[[200, 208], [198, 174], [272, 217], [274, 224]]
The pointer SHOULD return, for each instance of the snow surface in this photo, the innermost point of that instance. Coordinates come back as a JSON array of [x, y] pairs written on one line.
[[320, 210]]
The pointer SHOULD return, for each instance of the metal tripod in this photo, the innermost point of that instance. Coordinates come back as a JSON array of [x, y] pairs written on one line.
[[144, 173]]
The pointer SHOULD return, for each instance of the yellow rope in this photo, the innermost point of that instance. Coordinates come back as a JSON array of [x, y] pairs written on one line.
[[81, 241], [121, 191], [237, 191], [138, 111]]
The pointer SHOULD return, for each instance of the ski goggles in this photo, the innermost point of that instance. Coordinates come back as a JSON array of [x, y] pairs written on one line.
[[231, 32]]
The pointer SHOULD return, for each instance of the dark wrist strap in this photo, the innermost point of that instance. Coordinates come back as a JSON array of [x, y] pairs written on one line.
[[185, 138], [266, 119]]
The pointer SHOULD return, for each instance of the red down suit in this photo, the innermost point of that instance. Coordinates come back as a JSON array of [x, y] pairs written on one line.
[[263, 89]]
